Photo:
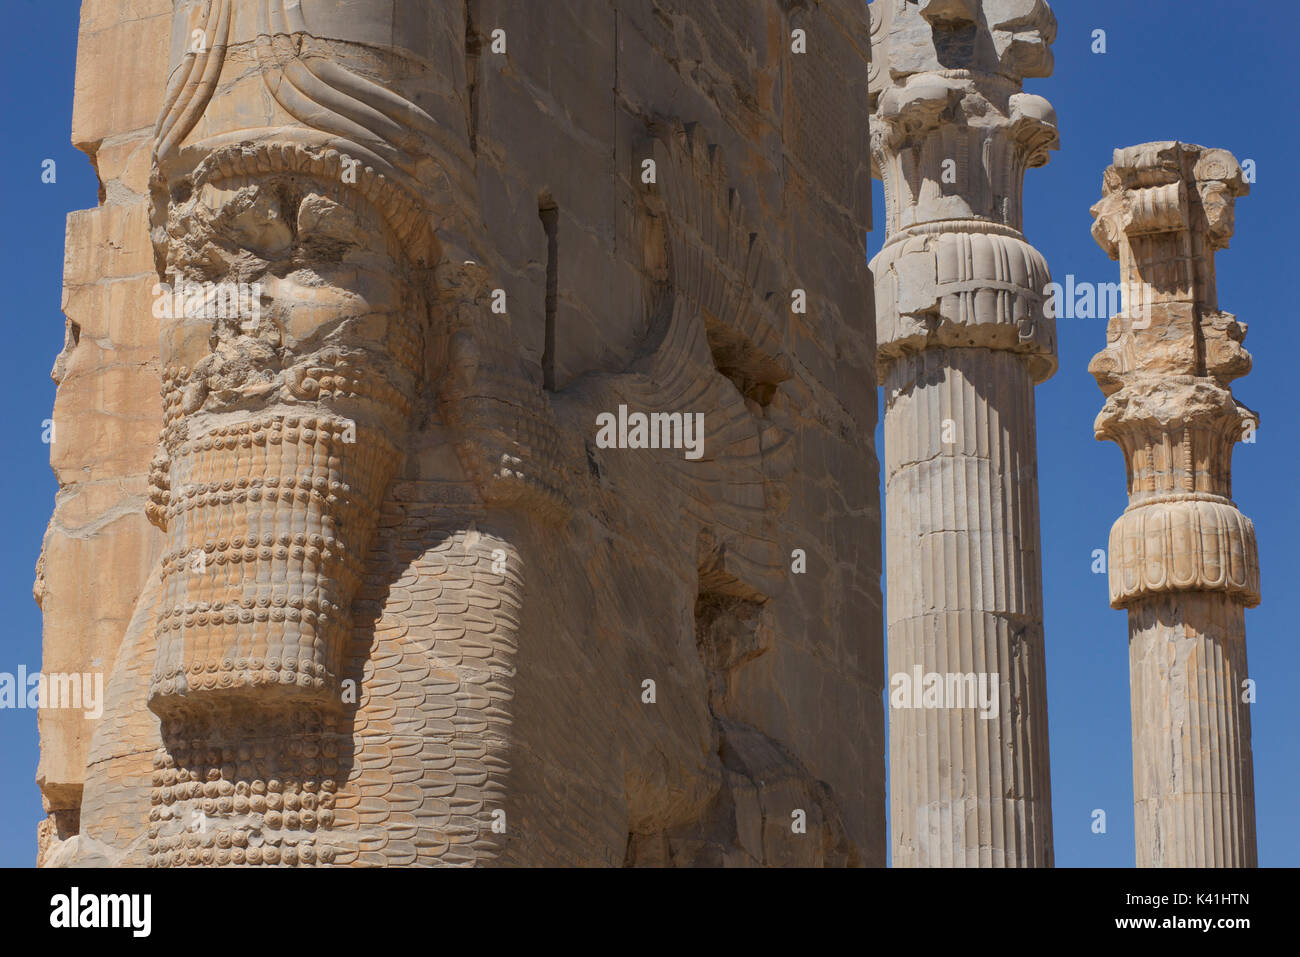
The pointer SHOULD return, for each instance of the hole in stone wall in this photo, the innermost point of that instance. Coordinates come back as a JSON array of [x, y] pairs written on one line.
[[473, 48], [756, 372], [755, 375], [550, 215], [954, 43]]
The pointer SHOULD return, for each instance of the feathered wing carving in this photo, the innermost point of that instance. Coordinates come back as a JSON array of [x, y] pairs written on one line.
[[719, 347], [434, 661], [720, 351]]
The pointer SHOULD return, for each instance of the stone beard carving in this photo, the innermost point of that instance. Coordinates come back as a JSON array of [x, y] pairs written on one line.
[[1183, 559], [361, 481], [283, 433], [281, 437], [962, 337]]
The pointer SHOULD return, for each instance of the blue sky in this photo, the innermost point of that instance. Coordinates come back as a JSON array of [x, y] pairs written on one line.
[[1174, 69]]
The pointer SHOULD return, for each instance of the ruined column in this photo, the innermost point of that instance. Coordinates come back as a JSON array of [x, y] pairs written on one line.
[[962, 339], [1183, 559]]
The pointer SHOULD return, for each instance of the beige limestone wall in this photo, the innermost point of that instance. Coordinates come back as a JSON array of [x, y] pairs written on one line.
[[99, 548]]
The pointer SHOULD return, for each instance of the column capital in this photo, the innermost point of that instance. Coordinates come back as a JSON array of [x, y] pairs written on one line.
[[953, 133], [952, 129], [1166, 209]]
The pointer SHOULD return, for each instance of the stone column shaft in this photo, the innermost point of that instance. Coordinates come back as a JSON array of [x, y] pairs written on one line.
[[1193, 777], [967, 601]]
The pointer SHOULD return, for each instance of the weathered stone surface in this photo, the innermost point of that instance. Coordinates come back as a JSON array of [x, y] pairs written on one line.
[[398, 604], [99, 548], [962, 338], [1183, 559]]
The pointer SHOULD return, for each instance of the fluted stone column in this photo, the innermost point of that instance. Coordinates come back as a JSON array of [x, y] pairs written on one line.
[[962, 339], [1183, 559]]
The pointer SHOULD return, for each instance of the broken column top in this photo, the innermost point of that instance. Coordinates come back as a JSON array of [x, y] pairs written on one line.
[[1166, 209], [953, 131], [1011, 38], [1167, 368]]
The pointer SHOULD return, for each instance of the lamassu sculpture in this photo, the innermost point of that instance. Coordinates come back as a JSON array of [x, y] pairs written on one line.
[[405, 609]]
